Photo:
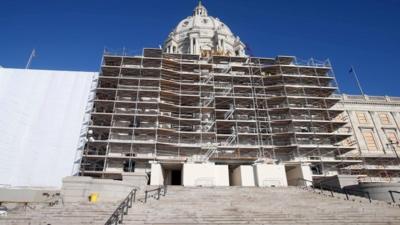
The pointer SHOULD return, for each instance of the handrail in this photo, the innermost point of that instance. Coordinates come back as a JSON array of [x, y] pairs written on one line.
[[346, 191], [320, 185], [162, 188], [118, 215], [392, 196], [364, 193]]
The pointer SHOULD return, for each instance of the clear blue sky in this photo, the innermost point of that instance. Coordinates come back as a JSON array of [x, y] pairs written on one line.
[[71, 34]]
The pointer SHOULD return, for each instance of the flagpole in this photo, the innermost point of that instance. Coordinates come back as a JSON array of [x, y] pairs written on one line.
[[352, 70], [30, 59]]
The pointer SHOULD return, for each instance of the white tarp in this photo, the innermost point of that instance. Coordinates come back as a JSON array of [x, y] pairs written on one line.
[[41, 114]]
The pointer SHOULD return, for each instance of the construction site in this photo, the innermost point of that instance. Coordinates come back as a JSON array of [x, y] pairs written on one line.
[[201, 101], [178, 108], [164, 133]]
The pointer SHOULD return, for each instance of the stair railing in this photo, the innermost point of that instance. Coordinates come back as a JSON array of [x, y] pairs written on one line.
[[346, 191], [118, 215], [392, 195], [357, 193], [161, 190]]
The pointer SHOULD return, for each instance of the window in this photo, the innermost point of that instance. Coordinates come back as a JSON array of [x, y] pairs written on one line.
[[370, 140], [316, 169], [391, 135], [384, 117], [362, 118]]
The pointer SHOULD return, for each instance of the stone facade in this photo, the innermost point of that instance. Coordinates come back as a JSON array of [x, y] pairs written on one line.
[[374, 122]]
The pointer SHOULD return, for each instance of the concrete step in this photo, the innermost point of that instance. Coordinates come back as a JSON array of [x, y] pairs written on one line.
[[221, 205]]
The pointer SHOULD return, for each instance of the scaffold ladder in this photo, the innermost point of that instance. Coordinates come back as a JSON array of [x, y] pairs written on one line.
[[231, 139], [208, 100], [208, 125], [229, 113], [211, 149]]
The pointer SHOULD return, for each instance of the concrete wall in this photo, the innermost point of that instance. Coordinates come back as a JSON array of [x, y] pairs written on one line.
[[339, 181], [29, 195], [137, 179], [347, 180], [205, 175], [296, 172], [293, 174], [78, 189], [267, 175], [307, 173], [243, 176], [157, 174]]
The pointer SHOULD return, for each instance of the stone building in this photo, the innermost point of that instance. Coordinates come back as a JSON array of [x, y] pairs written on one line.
[[374, 122], [200, 111]]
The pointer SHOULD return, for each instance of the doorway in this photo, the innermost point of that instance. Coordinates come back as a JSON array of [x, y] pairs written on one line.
[[298, 174], [172, 174], [176, 177]]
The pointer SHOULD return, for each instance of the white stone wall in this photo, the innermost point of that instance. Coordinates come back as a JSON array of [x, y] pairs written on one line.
[[267, 175], [243, 176], [157, 174], [294, 173], [206, 174], [372, 109]]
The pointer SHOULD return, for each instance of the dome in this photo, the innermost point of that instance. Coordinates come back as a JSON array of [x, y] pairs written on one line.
[[203, 34]]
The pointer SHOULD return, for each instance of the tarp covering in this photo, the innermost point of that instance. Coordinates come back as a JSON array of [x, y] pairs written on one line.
[[41, 114]]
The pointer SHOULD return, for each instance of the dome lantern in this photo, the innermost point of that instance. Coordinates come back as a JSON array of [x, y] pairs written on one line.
[[200, 10]]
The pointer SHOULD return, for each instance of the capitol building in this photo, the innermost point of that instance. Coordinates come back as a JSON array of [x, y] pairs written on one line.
[[199, 111], [196, 131]]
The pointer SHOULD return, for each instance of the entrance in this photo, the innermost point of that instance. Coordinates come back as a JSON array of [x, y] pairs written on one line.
[[172, 174], [234, 175], [298, 174], [176, 177]]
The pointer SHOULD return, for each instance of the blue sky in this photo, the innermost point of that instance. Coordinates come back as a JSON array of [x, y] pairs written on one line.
[[71, 34]]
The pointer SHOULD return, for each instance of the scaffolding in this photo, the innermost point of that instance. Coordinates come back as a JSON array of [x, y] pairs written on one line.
[[179, 107]]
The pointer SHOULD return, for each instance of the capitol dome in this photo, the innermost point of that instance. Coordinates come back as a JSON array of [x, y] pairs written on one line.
[[203, 35]]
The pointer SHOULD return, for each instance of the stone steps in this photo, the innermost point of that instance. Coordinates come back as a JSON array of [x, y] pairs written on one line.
[[221, 205], [258, 206]]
